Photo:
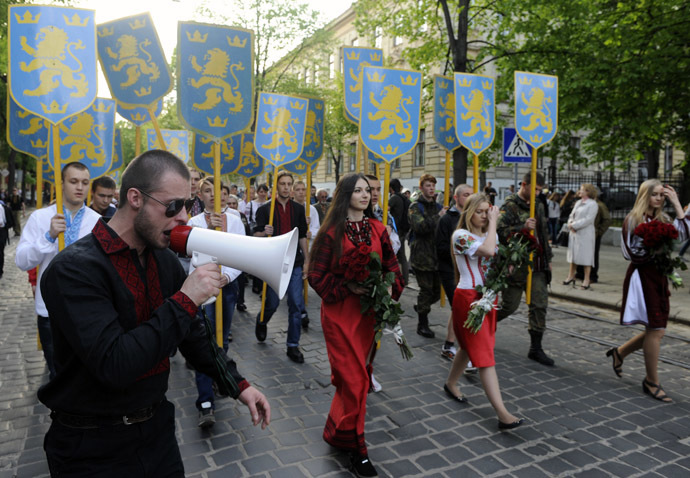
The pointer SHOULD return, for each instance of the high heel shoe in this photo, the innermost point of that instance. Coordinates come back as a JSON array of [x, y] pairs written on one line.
[[457, 398], [585, 287], [568, 282], [617, 369], [660, 394], [510, 426]]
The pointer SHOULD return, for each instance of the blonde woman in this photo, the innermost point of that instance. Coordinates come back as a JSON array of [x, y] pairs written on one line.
[[473, 244], [645, 289], [582, 234]]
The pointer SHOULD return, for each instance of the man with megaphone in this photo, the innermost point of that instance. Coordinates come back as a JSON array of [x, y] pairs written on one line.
[[120, 304]]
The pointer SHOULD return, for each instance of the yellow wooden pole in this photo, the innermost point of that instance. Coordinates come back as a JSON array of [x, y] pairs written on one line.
[[137, 141], [58, 180], [89, 196], [39, 183], [306, 253], [475, 171], [159, 135], [532, 210], [216, 209], [446, 202], [270, 223], [384, 196]]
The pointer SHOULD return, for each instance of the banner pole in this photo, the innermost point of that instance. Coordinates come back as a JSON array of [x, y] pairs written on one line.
[[270, 223], [446, 202], [384, 192], [532, 210], [137, 141], [475, 173], [216, 209], [307, 206], [58, 179], [159, 135], [39, 183]]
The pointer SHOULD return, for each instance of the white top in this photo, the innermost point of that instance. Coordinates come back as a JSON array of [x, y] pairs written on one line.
[[235, 226], [2, 215], [313, 221], [35, 250], [471, 267], [250, 209], [554, 209]]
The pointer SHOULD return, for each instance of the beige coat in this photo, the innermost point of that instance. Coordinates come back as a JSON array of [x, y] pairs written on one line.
[[581, 242]]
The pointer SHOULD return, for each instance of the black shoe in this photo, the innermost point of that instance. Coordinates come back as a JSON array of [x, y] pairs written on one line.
[[241, 308], [425, 331], [617, 361], [305, 321], [540, 356], [295, 355], [659, 394], [510, 426], [256, 290], [457, 398], [206, 418], [260, 331], [361, 465]]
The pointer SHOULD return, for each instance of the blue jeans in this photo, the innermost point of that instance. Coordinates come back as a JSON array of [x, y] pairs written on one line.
[[295, 297], [204, 383]]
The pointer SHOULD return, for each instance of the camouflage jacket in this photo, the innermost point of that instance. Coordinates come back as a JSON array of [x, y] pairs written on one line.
[[514, 214], [423, 223]]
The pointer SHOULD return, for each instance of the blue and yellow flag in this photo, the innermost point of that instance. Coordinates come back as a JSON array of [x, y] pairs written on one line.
[[89, 137], [280, 125], [215, 91], [176, 142], [204, 155], [475, 111], [354, 60], [444, 113], [133, 60], [48, 175], [52, 58], [313, 135], [118, 159], [138, 115], [391, 107], [298, 167], [251, 164], [536, 107], [26, 132]]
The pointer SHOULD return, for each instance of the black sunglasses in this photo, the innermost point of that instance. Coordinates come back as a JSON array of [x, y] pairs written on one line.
[[172, 209]]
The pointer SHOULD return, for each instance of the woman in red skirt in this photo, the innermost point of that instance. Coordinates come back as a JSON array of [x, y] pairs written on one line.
[[473, 244], [349, 335]]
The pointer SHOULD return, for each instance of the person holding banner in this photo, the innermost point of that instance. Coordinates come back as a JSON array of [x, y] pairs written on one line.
[[120, 304], [349, 335], [515, 217], [38, 244], [102, 193]]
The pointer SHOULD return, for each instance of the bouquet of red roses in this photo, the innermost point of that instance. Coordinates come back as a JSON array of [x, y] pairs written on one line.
[[363, 265], [658, 239]]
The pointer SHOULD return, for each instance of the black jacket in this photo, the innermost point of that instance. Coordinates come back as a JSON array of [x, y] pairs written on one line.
[[299, 220], [444, 232]]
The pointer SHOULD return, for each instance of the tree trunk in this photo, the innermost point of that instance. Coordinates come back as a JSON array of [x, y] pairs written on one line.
[[12, 168], [651, 157], [459, 166]]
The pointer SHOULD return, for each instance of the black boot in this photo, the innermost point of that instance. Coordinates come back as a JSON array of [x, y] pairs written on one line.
[[423, 327], [535, 351]]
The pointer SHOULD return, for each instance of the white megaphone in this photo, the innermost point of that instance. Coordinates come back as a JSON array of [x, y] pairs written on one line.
[[270, 259]]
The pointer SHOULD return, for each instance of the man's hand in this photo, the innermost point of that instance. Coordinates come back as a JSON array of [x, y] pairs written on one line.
[[443, 211], [268, 230], [203, 283], [531, 223], [57, 225], [305, 268], [258, 406], [216, 220], [356, 288]]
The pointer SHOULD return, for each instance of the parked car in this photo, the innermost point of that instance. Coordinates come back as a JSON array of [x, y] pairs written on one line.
[[617, 198]]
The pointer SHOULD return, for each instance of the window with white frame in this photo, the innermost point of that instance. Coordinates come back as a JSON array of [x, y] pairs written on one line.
[[353, 156], [420, 149]]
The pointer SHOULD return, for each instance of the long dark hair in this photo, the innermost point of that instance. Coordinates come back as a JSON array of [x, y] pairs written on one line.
[[337, 215]]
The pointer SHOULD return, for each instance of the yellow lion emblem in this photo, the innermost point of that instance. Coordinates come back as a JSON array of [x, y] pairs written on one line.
[[388, 109], [128, 56], [79, 134], [226, 149], [477, 113], [247, 156], [358, 81], [174, 145], [214, 71], [448, 112], [311, 133], [279, 126], [538, 109], [49, 56]]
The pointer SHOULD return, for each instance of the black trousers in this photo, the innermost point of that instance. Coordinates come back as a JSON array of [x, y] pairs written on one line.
[[4, 233], [146, 449]]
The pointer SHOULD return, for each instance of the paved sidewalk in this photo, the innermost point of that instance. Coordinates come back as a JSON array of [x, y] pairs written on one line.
[[582, 420]]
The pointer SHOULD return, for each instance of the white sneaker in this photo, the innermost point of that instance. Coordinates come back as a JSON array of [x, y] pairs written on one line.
[[470, 368], [448, 353], [375, 385]]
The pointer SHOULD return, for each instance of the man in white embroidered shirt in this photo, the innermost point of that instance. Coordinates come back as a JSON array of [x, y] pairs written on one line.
[[38, 243]]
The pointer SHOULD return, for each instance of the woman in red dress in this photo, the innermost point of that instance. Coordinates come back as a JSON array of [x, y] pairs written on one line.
[[473, 244], [349, 335]]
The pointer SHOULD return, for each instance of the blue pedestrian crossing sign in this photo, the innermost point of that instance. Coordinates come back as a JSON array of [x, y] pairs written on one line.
[[515, 150]]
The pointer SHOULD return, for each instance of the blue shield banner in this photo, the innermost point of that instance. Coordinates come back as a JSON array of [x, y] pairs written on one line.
[[204, 154], [355, 59], [215, 90], [280, 125], [251, 164], [89, 137], [298, 167], [52, 58], [118, 159], [48, 174], [133, 60], [139, 115], [475, 111], [27, 132], [444, 113], [176, 142], [391, 107], [536, 107], [313, 135]]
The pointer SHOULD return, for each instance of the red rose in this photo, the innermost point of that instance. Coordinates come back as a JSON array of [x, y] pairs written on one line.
[[349, 274], [362, 275]]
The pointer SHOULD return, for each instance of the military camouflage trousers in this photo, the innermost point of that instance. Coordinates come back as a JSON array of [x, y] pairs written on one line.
[[429, 290], [537, 309]]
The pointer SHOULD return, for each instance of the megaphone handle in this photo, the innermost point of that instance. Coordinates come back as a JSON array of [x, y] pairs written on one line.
[[209, 301]]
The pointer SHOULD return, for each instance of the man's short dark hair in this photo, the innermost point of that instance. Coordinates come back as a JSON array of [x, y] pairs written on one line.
[[105, 182], [225, 187], [284, 173], [371, 176], [395, 185], [146, 170], [527, 179], [74, 164]]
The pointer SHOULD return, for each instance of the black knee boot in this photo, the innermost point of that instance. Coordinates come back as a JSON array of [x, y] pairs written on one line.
[[423, 327], [535, 351]]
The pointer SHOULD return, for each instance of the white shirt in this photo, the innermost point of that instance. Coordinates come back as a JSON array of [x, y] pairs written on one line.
[[250, 209], [2, 215], [472, 268], [313, 221], [235, 226], [35, 250]]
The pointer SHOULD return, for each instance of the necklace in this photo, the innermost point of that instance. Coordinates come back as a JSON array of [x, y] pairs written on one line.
[[358, 232]]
